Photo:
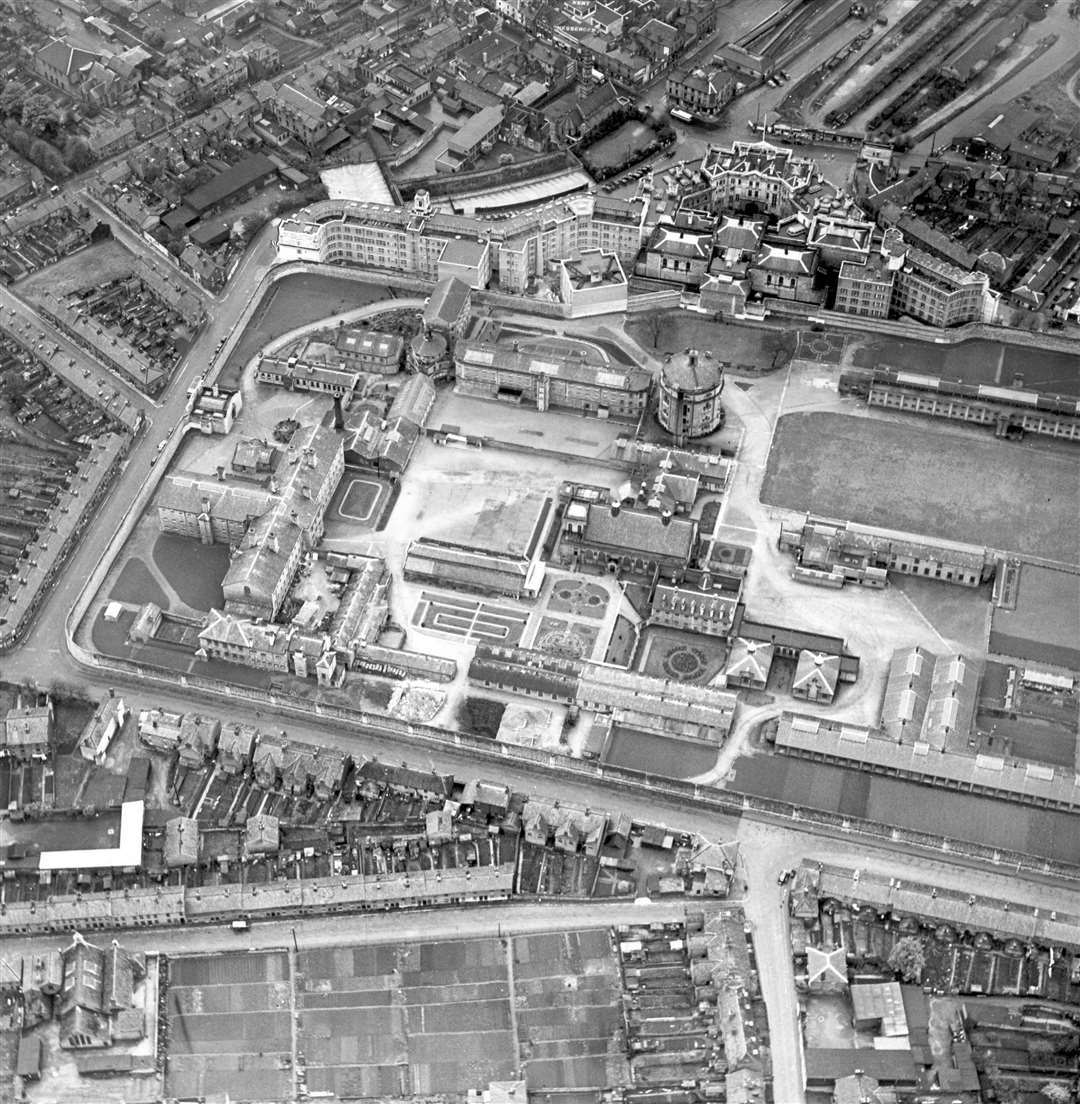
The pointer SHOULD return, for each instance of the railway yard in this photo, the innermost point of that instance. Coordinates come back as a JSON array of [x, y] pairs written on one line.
[[893, 71]]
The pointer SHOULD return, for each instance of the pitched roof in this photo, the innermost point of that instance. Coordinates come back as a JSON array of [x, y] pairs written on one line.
[[447, 301], [638, 532], [816, 669], [750, 659]]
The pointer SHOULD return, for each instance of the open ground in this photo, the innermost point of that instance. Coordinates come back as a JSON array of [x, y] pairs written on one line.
[[397, 1019], [990, 362], [90, 267], [929, 481]]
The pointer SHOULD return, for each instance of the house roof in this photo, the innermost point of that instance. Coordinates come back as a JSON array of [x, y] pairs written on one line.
[[750, 659], [235, 179], [736, 232], [816, 669], [780, 258], [677, 241], [61, 55], [181, 841], [28, 725], [826, 967]]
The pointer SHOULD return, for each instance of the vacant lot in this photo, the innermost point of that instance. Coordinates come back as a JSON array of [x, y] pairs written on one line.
[[91, 267], [1043, 625], [1007, 496]]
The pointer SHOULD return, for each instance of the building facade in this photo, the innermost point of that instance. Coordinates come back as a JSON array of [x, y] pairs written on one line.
[[492, 371], [689, 396], [413, 239]]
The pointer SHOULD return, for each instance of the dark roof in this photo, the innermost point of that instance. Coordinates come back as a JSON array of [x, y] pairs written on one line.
[[422, 781], [635, 531], [232, 180], [446, 302], [825, 1065]]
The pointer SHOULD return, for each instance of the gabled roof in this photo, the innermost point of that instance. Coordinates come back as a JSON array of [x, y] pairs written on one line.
[[60, 54], [447, 301]]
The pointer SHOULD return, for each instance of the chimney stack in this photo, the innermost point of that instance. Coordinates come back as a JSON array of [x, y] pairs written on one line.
[[339, 417]]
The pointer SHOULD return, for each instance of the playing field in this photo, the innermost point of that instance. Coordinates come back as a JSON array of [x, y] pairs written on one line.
[[1007, 496]]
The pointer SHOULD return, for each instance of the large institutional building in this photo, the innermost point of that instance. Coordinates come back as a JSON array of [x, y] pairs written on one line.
[[904, 280], [758, 177], [550, 381], [432, 245]]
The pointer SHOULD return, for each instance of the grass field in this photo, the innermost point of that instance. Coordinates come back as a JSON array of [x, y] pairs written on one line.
[[975, 362], [1007, 496], [614, 149], [292, 302]]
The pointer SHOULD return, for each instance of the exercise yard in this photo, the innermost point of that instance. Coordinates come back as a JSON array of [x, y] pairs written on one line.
[[1007, 496]]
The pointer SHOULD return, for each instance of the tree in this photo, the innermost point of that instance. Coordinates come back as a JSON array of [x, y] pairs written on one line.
[[39, 115], [908, 957], [155, 38], [20, 141], [1056, 1092], [656, 323], [12, 99], [78, 154]]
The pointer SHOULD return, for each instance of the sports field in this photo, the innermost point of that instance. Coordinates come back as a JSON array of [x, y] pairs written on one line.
[[1008, 496]]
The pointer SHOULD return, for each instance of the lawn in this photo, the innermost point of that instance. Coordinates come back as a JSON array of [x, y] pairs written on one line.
[[138, 586], [617, 148], [746, 348], [989, 362], [195, 570], [1003, 495], [296, 301]]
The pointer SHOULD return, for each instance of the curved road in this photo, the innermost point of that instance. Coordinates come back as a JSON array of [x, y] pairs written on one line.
[[44, 657]]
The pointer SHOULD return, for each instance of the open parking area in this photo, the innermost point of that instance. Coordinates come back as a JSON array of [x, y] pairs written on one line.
[[904, 476]]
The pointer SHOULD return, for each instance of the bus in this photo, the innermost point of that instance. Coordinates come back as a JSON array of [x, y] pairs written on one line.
[[682, 116]]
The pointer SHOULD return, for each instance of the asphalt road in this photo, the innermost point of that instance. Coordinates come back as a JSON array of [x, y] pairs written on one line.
[[45, 657]]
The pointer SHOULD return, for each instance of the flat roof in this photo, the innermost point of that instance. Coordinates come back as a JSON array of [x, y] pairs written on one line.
[[127, 853]]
